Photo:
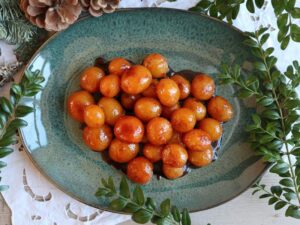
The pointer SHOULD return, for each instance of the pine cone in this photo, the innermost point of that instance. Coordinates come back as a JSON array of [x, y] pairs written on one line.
[[98, 7], [53, 15]]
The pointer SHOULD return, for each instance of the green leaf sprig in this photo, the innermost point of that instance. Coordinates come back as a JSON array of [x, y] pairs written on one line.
[[11, 112], [275, 128], [142, 209]]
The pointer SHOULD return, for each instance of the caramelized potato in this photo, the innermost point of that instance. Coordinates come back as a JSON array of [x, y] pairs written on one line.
[[167, 111], [129, 129], [157, 64], [97, 139], [196, 106], [147, 108], [183, 85], [118, 66], [174, 155], [151, 90], [220, 109], [94, 116], [167, 92], [90, 79], [197, 140], [159, 131], [112, 109], [183, 120], [122, 152], [201, 158], [140, 170], [172, 172], [135, 80], [110, 85], [128, 101], [212, 127], [152, 152], [77, 102], [203, 87]]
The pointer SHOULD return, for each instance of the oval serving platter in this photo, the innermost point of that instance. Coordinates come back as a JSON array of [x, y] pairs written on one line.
[[189, 41]]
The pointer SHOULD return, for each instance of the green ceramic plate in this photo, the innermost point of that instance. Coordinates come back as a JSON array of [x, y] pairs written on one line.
[[189, 41]]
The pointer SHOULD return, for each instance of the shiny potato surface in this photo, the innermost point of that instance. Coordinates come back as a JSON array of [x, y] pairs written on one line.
[[77, 102], [140, 170], [183, 85], [112, 109], [220, 109], [129, 129], [183, 120], [201, 158], [97, 139], [128, 101], [174, 155], [153, 152], [167, 111], [196, 106], [157, 64], [159, 131], [171, 172], [118, 66], [122, 152], [151, 90], [147, 108], [110, 85], [90, 79], [203, 87], [212, 127], [94, 116], [197, 140], [167, 92], [135, 80]]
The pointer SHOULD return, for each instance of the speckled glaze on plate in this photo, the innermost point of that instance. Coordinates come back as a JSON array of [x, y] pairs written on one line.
[[189, 41]]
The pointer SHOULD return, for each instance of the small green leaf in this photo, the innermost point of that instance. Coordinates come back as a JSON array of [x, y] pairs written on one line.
[[17, 123], [23, 110], [165, 207], [2, 164], [280, 168], [102, 192], [295, 29], [293, 211], [131, 208], [243, 93], [286, 182], [279, 205], [104, 183], [141, 216], [250, 6], [290, 5], [265, 196], [296, 152], [5, 151], [260, 66], [264, 38], [138, 196], [289, 196], [124, 188], [271, 114], [6, 105], [3, 187], [111, 185], [265, 101], [16, 89], [150, 204], [256, 119], [8, 141], [292, 103], [266, 139], [295, 13], [251, 43], [285, 42], [272, 200], [271, 61], [282, 20], [175, 213], [185, 219], [277, 190], [269, 51], [118, 204], [255, 191]]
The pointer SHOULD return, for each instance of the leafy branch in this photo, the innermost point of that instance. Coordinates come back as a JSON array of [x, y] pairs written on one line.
[[275, 129], [142, 209], [11, 112]]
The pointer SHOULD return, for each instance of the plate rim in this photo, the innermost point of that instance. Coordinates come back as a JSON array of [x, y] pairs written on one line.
[[51, 180]]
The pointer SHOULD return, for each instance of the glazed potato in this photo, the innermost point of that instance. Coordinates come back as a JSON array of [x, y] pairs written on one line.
[[147, 108], [94, 116], [183, 120], [167, 92], [197, 140], [197, 106], [174, 155], [159, 131], [220, 109], [110, 85], [151, 90], [153, 152], [167, 111], [172, 172], [135, 80], [77, 102], [212, 127], [112, 109], [129, 129], [157, 64], [140, 170], [90, 79], [203, 87], [97, 139], [183, 85], [201, 158], [122, 152], [118, 66], [128, 101]]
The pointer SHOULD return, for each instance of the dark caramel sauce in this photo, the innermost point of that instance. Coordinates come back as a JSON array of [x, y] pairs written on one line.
[[157, 167]]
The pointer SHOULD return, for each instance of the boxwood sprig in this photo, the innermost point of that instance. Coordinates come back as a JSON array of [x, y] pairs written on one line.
[[11, 112], [142, 209], [275, 128]]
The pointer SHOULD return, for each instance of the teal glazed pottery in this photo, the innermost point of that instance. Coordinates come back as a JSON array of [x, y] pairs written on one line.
[[189, 41]]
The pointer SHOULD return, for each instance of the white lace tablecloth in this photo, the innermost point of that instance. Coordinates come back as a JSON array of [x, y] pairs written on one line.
[[35, 201]]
